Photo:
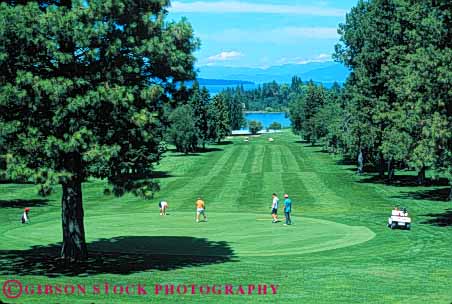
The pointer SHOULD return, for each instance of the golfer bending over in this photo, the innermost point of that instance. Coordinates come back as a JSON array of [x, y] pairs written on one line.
[[200, 209], [163, 205], [275, 203]]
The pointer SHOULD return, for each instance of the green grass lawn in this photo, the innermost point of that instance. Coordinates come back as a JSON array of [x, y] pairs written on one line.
[[339, 249]]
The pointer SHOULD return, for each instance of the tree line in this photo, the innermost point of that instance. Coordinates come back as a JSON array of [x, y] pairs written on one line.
[[395, 109], [269, 97]]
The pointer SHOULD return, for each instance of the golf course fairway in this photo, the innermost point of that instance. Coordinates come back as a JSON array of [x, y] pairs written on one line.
[[338, 249]]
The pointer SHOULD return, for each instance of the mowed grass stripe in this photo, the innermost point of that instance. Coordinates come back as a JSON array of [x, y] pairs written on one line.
[[300, 157], [299, 194], [276, 150], [241, 160], [251, 156], [325, 199], [273, 184], [223, 190], [257, 162], [289, 161], [177, 191], [234, 160], [267, 159], [251, 196]]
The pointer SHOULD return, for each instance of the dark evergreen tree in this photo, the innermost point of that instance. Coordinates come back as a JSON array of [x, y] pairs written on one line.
[[218, 119], [183, 132]]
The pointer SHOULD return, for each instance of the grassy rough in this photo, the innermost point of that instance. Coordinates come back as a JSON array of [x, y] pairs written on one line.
[[338, 251]]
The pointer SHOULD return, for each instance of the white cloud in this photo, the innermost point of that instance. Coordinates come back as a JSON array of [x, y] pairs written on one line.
[[225, 56], [221, 7]]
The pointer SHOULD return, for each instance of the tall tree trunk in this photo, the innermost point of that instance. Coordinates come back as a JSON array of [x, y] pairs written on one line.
[[360, 162], [74, 244], [381, 166], [421, 176], [390, 177]]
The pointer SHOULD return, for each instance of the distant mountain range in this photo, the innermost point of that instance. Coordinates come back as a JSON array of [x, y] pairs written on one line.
[[322, 72]]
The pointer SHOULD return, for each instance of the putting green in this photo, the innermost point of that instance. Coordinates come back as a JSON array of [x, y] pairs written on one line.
[[247, 234]]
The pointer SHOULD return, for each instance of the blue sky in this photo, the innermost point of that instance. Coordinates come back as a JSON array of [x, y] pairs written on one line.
[[250, 33]]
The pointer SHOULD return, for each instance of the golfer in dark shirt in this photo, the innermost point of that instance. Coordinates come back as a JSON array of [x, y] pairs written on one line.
[[287, 209]]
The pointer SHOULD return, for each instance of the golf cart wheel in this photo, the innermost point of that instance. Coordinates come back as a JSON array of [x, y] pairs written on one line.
[[408, 226], [393, 225]]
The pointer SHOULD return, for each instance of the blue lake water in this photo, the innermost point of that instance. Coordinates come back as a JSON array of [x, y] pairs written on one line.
[[268, 118]]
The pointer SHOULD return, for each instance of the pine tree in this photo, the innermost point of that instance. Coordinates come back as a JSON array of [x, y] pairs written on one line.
[[183, 132], [218, 119]]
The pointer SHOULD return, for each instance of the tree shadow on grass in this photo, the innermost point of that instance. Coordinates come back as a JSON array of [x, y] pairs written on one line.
[[405, 181], [207, 150], [439, 219], [119, 255], [198, 152], [346, 162], [161, 174], [440, 195], [21, 203], [224, 143], [304, 142], [308, 144], [191, 154], [324, 151]]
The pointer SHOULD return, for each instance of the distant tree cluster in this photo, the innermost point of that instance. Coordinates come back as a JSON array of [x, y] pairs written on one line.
[[269, 97], [235, 101], [275, 126], [311, 109], [395, 109], [198, 120], [254, 126]]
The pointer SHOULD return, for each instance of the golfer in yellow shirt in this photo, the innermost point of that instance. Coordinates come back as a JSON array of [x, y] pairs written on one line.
[[200, 209]]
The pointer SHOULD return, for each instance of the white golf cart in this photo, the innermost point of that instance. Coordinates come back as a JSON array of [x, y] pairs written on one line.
[[399, 218]]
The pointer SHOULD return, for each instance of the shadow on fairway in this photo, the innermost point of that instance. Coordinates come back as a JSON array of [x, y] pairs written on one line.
[[367, 169], [405, 181], [440, 195], [20, 203], [119, 255], [439, 219], [224, 143], [308, 144], [161, 174], [198, 152]]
